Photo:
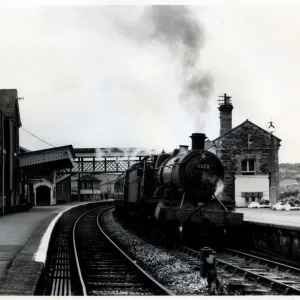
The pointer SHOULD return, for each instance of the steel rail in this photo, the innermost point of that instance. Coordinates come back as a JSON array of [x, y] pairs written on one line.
[[76, 254], [286, 288], [145, 273], [264, 260]]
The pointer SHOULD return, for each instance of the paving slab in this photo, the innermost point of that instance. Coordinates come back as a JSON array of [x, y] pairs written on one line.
[[20, 237]]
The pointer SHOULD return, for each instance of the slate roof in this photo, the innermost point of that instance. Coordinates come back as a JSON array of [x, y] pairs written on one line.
[[43, 151], [89, 177], [57, 158]]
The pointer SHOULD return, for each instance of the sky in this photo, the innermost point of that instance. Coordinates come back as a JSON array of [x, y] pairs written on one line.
[[149, 76]]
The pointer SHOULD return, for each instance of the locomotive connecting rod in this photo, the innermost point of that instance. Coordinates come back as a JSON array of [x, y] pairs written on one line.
[[214, 196]]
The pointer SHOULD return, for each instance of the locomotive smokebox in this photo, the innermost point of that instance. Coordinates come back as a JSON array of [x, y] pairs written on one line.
[[198, 141]]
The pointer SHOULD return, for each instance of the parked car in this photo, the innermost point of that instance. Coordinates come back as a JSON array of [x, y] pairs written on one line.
[[259, 204], [291, 205], [264, 203], [287, 205], [279, 205], [253, 204]]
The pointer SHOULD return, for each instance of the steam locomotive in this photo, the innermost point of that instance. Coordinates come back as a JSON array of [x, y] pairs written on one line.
[[177, 188]]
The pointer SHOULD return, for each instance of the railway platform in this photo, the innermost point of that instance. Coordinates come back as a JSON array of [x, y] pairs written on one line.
[[274, 232], [24, 241], [266, 216]]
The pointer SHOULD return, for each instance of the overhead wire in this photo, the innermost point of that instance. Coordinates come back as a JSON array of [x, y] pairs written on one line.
[[11, 119], [37, 137]]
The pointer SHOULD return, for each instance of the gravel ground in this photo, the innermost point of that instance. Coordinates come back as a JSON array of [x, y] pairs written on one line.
[[176, 275], [180, 277]]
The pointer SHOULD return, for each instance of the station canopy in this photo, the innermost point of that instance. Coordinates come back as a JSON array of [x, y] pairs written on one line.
[[47, 159]]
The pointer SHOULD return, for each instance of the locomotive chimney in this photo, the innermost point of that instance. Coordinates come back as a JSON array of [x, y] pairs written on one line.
[[198, 141]]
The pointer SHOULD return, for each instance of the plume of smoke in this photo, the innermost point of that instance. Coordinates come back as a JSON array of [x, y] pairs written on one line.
[[100, 153], [219, 188], [125, 152], [175, 27], [216, 182]]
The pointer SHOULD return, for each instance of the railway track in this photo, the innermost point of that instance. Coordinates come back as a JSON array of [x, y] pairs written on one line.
[[264, 253], [257, 275], [104, 269], [86, 262]]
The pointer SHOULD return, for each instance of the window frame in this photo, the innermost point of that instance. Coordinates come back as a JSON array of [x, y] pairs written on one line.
[[248, 171]]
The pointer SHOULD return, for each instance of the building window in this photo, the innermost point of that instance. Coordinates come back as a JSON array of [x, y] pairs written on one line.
[[86, 185], [252, 196], [248, 167]]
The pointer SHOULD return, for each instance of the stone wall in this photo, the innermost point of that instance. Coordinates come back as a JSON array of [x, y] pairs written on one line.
[[246, 141], [273, 238]]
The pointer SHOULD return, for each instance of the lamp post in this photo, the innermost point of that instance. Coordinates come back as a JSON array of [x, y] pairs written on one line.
[[273, 191]]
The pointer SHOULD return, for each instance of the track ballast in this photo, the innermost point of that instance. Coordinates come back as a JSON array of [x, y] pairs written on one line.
[[103, 269]]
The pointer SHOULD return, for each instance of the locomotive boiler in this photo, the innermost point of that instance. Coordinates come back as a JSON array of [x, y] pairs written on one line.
[[178, 188]]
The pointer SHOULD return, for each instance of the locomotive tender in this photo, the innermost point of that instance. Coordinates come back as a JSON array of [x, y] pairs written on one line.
[[177, 187]]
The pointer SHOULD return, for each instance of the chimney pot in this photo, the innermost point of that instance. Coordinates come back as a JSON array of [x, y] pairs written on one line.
[[225, 108]]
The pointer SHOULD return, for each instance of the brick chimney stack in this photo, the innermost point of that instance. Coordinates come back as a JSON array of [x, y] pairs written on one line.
[[225, 108]]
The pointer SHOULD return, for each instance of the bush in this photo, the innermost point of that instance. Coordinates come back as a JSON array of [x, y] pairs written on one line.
[[289, 194]]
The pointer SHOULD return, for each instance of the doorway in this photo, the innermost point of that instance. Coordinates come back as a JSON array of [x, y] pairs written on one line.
[[43, 196]]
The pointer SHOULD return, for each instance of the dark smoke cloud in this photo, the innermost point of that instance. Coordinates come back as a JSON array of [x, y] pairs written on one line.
[[199, 85], [175, 27]]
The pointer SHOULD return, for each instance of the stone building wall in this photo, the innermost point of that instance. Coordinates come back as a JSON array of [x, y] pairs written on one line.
[[225, 121], [236, 146]]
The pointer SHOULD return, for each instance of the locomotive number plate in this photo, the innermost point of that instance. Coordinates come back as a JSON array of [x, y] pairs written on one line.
[[203, 166]]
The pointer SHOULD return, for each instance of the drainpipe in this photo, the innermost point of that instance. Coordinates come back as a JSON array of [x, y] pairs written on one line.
[[3, 160]]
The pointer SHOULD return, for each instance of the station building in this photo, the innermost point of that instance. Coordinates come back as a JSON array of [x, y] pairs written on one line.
[[27, 177], [41, 167], [89, 188], [10, 175], [250, 156]]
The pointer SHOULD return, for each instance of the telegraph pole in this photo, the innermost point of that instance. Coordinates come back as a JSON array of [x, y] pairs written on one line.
[[273, 190]]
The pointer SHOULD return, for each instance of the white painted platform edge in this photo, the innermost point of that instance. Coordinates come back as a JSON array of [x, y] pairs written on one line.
[[272, 222], [41, 253]]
